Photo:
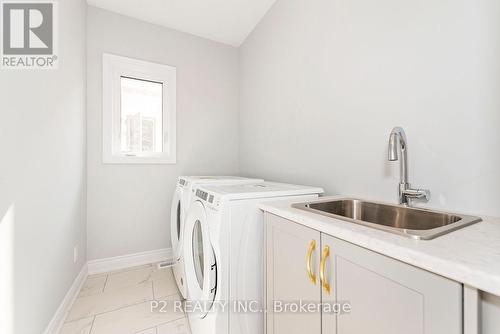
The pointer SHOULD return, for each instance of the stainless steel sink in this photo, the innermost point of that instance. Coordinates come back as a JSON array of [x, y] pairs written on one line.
[[412, 222]]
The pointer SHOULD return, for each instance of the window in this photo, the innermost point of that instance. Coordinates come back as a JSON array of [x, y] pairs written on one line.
[[141, 116], [138, 111]]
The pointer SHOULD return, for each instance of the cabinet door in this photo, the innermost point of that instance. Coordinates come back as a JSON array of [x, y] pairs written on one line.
[[387, 296], [287, 280]]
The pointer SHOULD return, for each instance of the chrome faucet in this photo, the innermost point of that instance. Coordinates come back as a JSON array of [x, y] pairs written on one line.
[[405, 191]]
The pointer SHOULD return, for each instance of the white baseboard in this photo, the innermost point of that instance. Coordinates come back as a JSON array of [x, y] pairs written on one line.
[[57, 321], [131, 260]]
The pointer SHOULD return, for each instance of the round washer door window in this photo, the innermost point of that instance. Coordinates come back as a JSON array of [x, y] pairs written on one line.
[[176, 222], [200, 262], [198, 255]]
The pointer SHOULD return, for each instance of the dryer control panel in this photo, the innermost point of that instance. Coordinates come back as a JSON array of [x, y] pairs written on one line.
[[183, 183]]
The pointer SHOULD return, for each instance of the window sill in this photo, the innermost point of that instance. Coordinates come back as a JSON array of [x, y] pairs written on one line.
[[136, 160]]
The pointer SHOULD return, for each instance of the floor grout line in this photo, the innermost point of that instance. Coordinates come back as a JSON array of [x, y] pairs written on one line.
[[105, 282], [92, 326], [170, 321], [95, 315], [145, 329], [122, 307], [155, 327]]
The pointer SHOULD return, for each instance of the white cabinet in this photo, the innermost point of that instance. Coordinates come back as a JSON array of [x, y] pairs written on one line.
[[385, 296], [490, 313], [287, 277]]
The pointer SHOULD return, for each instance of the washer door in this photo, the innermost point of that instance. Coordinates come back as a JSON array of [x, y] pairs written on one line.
[[176, 223], [201, 266]]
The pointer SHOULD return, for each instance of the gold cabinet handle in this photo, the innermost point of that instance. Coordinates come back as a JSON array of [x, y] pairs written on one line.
[[324, 283], [312, 247]]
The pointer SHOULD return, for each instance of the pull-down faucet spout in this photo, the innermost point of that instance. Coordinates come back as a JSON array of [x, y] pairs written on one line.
[[405, 192], [398, 136]]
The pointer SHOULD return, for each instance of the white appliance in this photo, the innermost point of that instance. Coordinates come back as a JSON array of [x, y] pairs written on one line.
[[223, 253], [180, 204]]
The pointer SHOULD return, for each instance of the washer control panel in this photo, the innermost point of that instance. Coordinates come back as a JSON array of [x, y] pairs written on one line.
[[202, 194], [210, 199]]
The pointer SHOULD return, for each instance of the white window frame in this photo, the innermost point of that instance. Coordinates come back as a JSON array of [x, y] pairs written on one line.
[[116, 67]]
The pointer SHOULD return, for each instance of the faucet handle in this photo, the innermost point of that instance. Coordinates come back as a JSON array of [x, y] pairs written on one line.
[[423, 194]]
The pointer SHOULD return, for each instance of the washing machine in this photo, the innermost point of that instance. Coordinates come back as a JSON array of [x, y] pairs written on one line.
[[223, 254], [180, 204]]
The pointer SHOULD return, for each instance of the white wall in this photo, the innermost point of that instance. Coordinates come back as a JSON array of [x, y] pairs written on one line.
[[42, 180], [324, 81], [129, 205]]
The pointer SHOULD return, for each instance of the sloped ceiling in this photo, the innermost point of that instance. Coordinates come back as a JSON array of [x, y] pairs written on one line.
[[224, 21]]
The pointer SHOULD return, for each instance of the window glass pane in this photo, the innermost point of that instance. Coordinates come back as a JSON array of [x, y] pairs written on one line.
[[141, 118]]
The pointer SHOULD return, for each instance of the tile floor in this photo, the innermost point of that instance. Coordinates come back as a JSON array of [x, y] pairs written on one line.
[[120, 303]]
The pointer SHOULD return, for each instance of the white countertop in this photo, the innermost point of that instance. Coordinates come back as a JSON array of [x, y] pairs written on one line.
[[470, 255]]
